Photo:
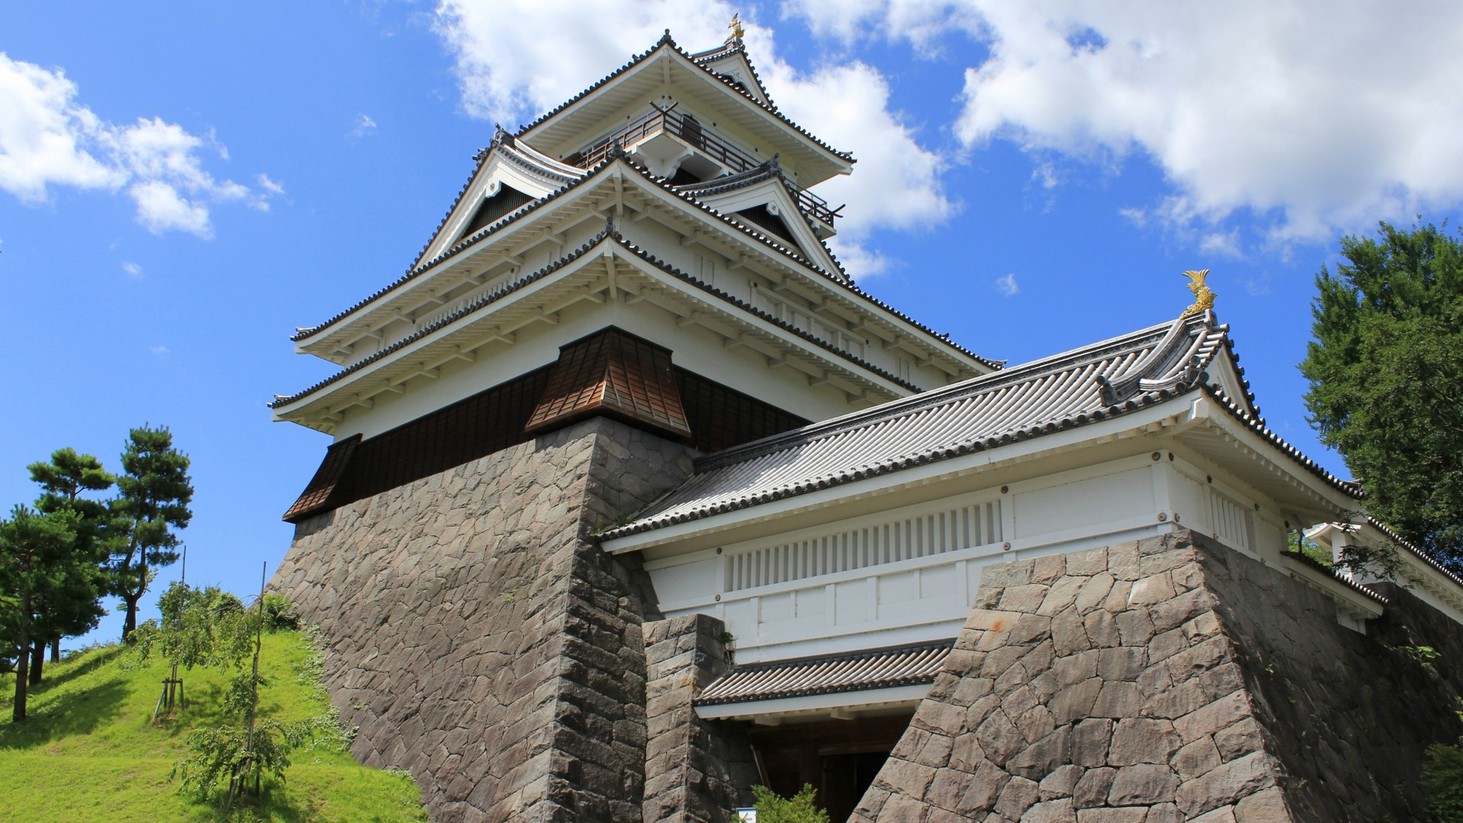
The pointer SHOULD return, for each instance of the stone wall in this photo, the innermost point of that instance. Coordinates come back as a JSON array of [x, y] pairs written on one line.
[[696, 771], [1166, 680], [476, 636]]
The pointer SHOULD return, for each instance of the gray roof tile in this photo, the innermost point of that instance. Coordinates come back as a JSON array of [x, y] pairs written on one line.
[[847, 672], [1065, 391]]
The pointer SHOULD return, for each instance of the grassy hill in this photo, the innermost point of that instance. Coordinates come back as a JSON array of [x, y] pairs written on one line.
[[90, 751]]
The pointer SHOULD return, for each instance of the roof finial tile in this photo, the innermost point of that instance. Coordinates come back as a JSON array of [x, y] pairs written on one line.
[[1203, 296], [737, 32]]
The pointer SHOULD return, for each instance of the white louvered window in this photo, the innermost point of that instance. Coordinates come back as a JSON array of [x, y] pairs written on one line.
[[865, 546], [1234, 523]]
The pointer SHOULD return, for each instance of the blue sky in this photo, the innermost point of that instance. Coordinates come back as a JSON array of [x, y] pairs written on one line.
[[181, 185]]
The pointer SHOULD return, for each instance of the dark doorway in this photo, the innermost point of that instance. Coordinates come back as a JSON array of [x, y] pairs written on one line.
[[839, 758]]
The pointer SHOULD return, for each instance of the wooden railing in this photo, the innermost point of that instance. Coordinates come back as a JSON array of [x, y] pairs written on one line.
[[693, 134]]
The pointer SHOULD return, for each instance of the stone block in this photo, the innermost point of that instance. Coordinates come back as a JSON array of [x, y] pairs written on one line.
[[1144, 784], [1124, 663], [1135, 628], [1166, 644], [1018, 795], [1213, 717], [1118, 699], [1142, 740], [1196, 758], [1267, 806], [1238, 739], [1093, 592], [1226, 784], [1051, 811], [1180, 609], [999, 738], [1049, 568], [1043, 757], [1102, 629], [982, 791], [1005, 575], [1091, 740], [1061, 595], [1151, 590], [1074, 668], [1075, 702], [1087, 563], [1060, 782], [1026, 598], [1092, 789], [1122, 562], [1069, 636], [1129, 815], [1175, 700]]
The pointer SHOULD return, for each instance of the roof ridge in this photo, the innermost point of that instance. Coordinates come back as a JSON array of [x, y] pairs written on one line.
[[924, 400], [667, 40]]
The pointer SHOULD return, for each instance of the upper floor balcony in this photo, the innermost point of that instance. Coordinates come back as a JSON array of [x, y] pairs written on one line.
[[678, 146]]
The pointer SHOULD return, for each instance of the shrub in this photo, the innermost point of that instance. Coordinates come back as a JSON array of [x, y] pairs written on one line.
[[279, 613], [1442, 776], [800, 808]]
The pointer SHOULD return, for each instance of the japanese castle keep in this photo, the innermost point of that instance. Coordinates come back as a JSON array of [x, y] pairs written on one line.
[[635, 500]]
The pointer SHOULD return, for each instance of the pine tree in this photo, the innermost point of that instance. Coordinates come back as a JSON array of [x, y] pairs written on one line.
[[154, 491], [64, 481], [38, 563]]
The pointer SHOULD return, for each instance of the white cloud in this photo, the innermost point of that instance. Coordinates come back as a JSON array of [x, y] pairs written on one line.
[[49, 139], [133, 270], [161, 208], [1314, 118], [923, 22], [43, 134], [1007, 285], [270, 186], [509, 79], [160, 351], [895, 184], [1226, 243], [1310, 117], [364, 126]]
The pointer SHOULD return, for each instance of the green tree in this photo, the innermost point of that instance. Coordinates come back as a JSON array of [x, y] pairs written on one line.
[[153, 493], [37, 562], [66, 481], [800, 808], [1386, 381]]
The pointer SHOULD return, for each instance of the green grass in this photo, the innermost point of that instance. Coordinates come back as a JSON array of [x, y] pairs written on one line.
[[90, 751]]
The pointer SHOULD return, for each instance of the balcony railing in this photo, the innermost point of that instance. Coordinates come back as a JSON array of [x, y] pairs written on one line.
[[693, 134]]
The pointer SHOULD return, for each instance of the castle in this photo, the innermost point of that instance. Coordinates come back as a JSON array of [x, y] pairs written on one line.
[[635, 500]]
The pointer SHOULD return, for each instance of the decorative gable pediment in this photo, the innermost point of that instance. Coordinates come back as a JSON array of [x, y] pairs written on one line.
[[508, 176]]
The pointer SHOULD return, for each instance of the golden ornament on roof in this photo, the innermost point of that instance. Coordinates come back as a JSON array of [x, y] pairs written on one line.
[[1203, 296], [736, 27]]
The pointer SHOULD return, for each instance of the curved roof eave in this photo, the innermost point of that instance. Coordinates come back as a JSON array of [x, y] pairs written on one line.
[[608, 233], [666, 42]]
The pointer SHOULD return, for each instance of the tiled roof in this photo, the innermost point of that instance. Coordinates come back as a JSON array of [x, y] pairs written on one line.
[[1256, 424], [847, 672], [1068, 390], [316, 496], [522, 282], [841, 278], [1307, 560], [615, 372], [1415, 550], [667, 40]]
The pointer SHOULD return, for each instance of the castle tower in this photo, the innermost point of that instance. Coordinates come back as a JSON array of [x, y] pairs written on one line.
[[635, 500], [638, 276]]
